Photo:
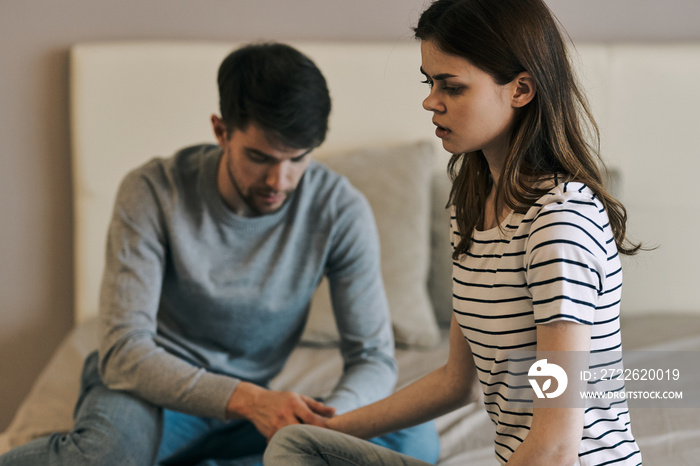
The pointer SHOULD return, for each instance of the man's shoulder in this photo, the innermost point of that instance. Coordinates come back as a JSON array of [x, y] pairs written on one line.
[[332, 189], [325, 178], [321, 176], [162, 178], [163, 171], [184, 160]]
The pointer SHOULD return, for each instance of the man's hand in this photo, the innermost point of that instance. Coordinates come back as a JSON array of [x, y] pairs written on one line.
[[271, 410]]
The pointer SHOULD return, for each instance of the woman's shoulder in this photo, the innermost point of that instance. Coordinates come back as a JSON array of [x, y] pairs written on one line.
[[567, 202], [568, 195]]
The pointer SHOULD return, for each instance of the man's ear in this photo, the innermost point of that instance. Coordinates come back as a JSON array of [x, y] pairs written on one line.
[[220, 130], [524, 90]]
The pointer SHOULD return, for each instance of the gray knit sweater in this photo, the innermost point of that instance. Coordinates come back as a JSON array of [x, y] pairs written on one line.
[[195, 299]]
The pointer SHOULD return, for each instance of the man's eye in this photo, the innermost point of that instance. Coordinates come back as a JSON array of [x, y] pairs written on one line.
[[255, 157]]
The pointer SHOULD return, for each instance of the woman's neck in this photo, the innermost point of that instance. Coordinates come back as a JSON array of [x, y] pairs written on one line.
[[491, 219]]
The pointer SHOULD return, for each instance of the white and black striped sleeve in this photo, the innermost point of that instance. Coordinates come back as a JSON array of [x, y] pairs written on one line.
[[566, 258]]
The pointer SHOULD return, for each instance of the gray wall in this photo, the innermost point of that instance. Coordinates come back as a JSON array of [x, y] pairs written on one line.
[[36, 296]]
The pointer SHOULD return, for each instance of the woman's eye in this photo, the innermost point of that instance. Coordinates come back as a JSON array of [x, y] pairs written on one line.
[[452, 90], [449, 90]]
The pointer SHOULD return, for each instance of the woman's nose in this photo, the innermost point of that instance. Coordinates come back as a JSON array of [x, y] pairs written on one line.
[[433, 104]]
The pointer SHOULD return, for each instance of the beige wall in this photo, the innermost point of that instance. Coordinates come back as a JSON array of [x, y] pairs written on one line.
[[36, 296]]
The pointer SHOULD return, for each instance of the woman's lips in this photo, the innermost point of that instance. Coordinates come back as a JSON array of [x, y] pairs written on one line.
[[441, 132]]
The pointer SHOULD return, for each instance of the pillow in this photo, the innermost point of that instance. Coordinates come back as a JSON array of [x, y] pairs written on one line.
[[397, 183], [440, 276]]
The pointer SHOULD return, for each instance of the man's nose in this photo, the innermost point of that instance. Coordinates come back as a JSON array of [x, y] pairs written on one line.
[[276, 176]]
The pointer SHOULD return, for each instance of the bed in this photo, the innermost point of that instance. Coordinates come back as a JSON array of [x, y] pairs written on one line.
[[132, 101]]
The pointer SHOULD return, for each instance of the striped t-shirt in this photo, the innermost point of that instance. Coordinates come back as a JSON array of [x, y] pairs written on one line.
[[558, 261]]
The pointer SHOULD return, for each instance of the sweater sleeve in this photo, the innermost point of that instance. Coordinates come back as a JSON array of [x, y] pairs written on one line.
[[360, 307], [130, 360]]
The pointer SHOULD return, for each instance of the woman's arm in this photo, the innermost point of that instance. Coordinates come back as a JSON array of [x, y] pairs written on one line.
[[555, 433], [443, 390]]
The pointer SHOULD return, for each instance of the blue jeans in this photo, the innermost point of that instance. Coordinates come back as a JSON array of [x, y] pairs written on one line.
[[119, 429]]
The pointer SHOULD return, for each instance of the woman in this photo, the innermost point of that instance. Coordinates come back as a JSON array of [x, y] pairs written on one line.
[[536, 245]]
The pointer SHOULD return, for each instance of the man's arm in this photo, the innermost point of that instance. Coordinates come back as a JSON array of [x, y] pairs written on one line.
[[130, 360], [360, 307]]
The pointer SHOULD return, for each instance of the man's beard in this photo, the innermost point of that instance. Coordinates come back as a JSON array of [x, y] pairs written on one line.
[[248, 199]]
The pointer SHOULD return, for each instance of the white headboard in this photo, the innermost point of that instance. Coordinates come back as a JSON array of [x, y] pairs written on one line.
[[132, 101]]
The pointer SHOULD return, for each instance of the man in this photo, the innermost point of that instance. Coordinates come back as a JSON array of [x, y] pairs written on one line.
[[213, 256]]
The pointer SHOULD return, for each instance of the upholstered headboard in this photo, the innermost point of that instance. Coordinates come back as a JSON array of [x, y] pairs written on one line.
[[132, 101]]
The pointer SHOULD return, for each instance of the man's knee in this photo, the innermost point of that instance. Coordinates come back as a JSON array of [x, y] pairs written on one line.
[[90, 446], [80, 447], [111, 424]]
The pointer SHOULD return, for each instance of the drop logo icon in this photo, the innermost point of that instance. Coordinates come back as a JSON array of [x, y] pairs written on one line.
[[543, 369]]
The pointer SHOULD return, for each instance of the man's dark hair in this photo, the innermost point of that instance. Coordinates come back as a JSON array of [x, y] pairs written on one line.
[[278, 88]]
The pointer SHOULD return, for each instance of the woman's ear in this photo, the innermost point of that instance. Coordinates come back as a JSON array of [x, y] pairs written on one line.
[[524, 90]]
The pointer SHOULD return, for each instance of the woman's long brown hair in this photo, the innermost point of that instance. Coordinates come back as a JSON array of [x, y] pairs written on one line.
[[555, 135]]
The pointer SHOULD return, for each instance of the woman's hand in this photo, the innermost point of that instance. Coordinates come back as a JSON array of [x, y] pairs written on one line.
[[445, 389]]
